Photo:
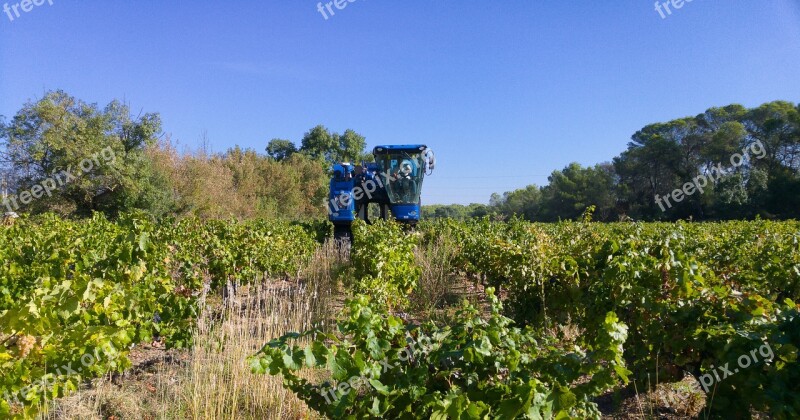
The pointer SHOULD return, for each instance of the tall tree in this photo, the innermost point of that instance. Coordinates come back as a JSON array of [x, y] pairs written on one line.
[[280, 149], [321, 143], [525, 202], [351, 146], [572, 190], [87, 158]]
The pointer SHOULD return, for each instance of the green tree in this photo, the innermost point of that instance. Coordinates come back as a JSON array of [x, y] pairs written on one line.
[[572, 190], [525, 203], [321, 143], [651, 166], [280, 149], [93, 156], [351, 146]]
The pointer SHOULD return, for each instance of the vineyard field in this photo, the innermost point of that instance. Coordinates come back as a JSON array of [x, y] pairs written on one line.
[[648, 300]]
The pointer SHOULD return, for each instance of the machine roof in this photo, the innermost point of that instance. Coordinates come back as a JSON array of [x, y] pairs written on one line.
[[400, 148]]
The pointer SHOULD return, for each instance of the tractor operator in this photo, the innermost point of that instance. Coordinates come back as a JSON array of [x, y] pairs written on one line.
[[405, 183]]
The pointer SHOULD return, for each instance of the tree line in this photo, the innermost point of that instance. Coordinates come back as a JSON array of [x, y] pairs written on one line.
[[56, 133], [663, 158]]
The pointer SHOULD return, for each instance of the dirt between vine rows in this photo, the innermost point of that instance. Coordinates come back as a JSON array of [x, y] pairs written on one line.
[[152, 386], [680, 400]]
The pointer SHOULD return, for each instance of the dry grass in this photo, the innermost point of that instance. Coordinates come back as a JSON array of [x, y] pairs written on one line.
[[218, 384], [439, 283], [212, 379]]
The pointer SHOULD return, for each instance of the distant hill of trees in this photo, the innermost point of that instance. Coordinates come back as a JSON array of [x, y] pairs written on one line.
[[455, 211], [49, 161]]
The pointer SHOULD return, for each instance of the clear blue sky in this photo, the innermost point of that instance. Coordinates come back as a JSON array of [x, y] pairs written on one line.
[[503, 91]]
